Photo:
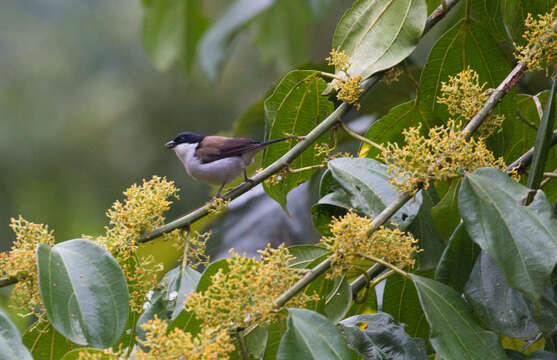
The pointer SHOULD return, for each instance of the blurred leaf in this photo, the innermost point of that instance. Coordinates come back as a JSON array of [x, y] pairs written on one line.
[[515, 12], [505, 310], [454, 334], [445, 212], [252, 120], [379, 337], [46, 343], [216, 42], [466, 44], [400, 299], [282, 35], [489, 13], [128, 338], [11, 346], [84, 292], [305, 254], [335, 204], [187, 281], [389, 128], [294, 108], [366, 181], [276, 329], [457, 260], [543, 140], [93, 354], [256, 341], [538, 355], [378, 34], [171, 30], [205, 281], [512, 234], [367, 306], [339, 300], [311, 336]]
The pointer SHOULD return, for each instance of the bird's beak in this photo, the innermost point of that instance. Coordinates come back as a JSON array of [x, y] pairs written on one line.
[[170, 144]]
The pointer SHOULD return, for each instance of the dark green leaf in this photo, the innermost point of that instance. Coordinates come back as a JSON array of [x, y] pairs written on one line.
[[256, 341], [400, 299], [295, 107], [216, 42], [276, 330], [368, 305], [311, 336], [339, 300], [457, 260], [84, 292], [490, 14], [378, 34], [504, 310], [389, 127], [205, 281], [445, 213], [454, 334], [186, 321], [332, 205], [521, 239], [366, 180], [304, 255], [171, 30], [11, 346], [46, 343], [379, 337]]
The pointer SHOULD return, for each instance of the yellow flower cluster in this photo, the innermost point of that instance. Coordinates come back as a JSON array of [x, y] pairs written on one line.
[[141, 212], [338, 59], [392, 75], [276, 178], [350, 240], [540, 50], [20, 263], [210, 343], [328, 153], [244, 296], [464, 97], [444, 154], [217, 205], [349, 89], [107, 354]]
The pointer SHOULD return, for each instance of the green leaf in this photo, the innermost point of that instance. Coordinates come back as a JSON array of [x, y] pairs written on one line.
[[457, 260], [46, 343], [515, 12], [400, 299], [334, 204], [505, 310], [295, 107], [466, 44], [379, 337], [188, 322], [367, 306], [276, 330], [389, 127], [11, 346], [216, 42], [74, 354], [84, 292], [543, 140], [256, 341], [490, 14], [522, 240], [378, 34], [339, 300], [171, 30], [311, 336], [454, 334], [205, 281], [187, 281], [305, 254], [445, 212], [367, 182]]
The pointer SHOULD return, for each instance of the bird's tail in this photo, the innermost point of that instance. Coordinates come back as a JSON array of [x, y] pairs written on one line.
[[269, 142]]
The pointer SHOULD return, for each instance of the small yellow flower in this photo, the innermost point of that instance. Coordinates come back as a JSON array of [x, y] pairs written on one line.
[[540, 50], [338, 59], [217, 205]]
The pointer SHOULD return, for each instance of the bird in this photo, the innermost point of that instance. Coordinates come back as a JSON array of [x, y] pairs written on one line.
[[217, 160]]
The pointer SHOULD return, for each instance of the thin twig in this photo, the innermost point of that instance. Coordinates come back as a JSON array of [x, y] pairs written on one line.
[[302, 169], [550, 174], [360, 137]]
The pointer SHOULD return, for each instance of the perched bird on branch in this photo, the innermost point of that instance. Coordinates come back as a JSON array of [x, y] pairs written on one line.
[[216, 160]]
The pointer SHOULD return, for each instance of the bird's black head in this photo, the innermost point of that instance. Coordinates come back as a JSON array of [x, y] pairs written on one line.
[[184, 138]]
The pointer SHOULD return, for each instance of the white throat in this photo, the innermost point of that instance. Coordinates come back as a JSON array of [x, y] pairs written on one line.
[[185, 153]]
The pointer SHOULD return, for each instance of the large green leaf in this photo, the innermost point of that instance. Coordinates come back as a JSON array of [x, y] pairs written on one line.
[[171, 30], [400, 299], [339, 300], [515, 12], [490, 14], [84, 292], [46, 343], [457, 260], [378, 34], [454, 334], [304, 255], [333, 205], [216, 42], [445, 212], [311, 336], [379, 337], [11, 346], [389, 127], [187, 281], [367, 182], [295, 107], [466, 44], [505, 310], [521, 239]]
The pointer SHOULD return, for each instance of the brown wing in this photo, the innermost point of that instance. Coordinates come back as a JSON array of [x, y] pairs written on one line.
[[213, 148]]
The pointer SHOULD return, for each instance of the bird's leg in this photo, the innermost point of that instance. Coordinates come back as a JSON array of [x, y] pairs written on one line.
[[217, 195], [246, 178]]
